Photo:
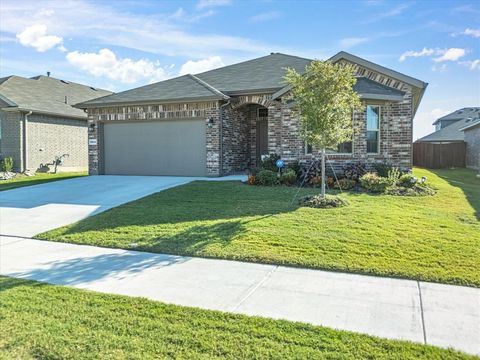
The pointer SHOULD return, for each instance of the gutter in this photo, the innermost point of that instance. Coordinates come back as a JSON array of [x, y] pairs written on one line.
[[25, 141]]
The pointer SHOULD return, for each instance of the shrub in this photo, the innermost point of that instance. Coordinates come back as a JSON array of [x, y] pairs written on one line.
[[415, 190], [267, 178], [345, 184], [252, 179], [330, 181], [309, 170], [289, 177], [354, 171], [270, 162], [374, 183], [316, 180], [383, 169], [407, 180], [295, 166], [7, 164], [393, 176], [316, 201]]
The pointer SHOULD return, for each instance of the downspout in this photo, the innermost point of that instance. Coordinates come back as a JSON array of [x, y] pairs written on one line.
[[221, 134], [25, 140]]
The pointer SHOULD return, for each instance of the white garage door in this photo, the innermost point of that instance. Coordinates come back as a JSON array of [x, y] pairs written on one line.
[[164, 147]]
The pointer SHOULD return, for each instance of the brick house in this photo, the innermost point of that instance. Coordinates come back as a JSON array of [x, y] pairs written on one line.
[[223, 121], [38, 122], [472, 139]]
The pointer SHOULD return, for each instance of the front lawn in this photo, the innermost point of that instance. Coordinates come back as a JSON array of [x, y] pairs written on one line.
[[433, 238], [39, 178], [40, 321]]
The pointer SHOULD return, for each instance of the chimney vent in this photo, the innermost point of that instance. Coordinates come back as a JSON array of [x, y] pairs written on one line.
[[48, 73]]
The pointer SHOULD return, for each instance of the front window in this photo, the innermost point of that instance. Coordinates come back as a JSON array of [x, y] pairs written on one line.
[[345, 147], [373, 128], [308, 148]]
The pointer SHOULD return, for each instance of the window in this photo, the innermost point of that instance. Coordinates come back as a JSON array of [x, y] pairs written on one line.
[[345, 147], [373, 128]]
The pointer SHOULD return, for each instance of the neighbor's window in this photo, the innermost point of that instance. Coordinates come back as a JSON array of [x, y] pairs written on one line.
[[373, 128]]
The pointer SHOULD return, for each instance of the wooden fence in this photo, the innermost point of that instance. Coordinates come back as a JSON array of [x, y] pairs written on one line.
[[439, 155]]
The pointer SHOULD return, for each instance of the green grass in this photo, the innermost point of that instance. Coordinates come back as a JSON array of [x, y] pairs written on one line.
[[40, 321], [39, 178], [433, 238]]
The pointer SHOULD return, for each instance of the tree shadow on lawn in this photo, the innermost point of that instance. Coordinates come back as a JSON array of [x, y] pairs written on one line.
[[466, 180], [195, 202]]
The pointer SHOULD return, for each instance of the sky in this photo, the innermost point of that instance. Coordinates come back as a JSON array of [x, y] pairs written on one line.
[[119, 45]]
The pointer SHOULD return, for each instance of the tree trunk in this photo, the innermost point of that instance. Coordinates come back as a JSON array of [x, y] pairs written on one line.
[[323, 173]]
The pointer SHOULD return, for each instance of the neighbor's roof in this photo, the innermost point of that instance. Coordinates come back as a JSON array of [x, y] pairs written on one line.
[[471, 125], [452, 132], [464, 113], [45, 95], [264, 74]]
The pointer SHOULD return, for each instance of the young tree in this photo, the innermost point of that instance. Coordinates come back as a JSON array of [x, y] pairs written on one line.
[[325, 97]]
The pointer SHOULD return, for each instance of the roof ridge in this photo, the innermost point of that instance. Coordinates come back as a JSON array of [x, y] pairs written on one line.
[[208, 86]]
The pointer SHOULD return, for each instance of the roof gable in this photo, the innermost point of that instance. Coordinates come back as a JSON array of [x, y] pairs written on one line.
[[460, 114]]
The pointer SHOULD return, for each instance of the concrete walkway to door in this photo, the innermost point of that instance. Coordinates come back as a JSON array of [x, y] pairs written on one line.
[[30, 210], [442, 315]]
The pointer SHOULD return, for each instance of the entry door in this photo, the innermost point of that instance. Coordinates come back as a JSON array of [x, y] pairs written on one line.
[[262, 138]]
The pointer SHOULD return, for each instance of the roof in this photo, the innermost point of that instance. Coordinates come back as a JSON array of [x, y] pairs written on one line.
[[471, 125], [469, 112], [452, 132], [175, 89], [45, 95], [264, 74]]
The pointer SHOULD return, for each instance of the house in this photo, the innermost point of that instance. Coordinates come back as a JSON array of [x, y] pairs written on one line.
[[223, 121], [472, 138], [38, 122], [457, 132]]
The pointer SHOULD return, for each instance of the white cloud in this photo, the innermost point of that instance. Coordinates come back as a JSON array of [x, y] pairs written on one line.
[[212, 3], [421, 53], [471, 64], [452, 54], [472, 32], [195, 67], [439, 68], [36, 36], [266, 16], [348, 43], [105, 63]]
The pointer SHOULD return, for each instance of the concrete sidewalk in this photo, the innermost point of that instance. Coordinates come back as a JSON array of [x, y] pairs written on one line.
[[442, 315]]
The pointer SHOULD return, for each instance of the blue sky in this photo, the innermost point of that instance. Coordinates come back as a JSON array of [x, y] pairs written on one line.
[[122, 44]]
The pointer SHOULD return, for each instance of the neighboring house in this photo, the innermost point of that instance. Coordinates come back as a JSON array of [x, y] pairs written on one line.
[[223, 121], [461, 126], [472, 138], [38, 122]]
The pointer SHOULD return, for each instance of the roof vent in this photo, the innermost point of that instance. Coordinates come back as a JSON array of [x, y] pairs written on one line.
[[63, 81], [48, 73], [468, 119], [460, 112], [91, 87]]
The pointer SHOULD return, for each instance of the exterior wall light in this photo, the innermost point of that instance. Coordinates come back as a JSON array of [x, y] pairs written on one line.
[[210, 122], [91, 127]]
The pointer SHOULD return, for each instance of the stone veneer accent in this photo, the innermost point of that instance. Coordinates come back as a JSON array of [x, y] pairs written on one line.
[[231, 142]]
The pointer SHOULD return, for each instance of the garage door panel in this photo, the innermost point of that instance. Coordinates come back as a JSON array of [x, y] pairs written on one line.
[[164, 147]]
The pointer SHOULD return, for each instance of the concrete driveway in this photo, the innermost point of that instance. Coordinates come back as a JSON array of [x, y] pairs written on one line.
[[30, 210]]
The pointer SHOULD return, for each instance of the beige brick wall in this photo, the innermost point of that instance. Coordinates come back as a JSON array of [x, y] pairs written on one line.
[[11, 133]]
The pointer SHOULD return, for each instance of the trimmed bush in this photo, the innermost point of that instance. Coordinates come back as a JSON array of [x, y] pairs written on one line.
[[344, 184], [270, 162], [267, 178], [252, 179], [383, 169], [316, 201], [295, 166], [7, 164], [374, 183], [289, 177], [407, 180]]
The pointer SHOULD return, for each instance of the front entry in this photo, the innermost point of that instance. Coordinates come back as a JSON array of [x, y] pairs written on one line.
[[262, 134]]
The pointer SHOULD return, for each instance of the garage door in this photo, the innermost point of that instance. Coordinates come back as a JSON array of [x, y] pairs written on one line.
[[164, 147]]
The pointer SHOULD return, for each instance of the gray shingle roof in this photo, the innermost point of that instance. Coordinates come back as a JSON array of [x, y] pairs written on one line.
[[460, 114], [46, 95], [262, 74], [452, 132], [186, 86]]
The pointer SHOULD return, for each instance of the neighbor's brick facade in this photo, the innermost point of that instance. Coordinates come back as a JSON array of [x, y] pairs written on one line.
[[47, 137], [472, 138], [231, 142]]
